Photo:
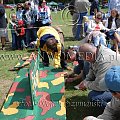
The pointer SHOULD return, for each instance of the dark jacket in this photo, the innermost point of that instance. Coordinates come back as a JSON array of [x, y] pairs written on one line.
[[94, 5], [110, 20], [3, 23]]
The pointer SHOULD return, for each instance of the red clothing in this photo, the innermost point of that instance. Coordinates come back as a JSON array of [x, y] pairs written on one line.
[[20, 31]]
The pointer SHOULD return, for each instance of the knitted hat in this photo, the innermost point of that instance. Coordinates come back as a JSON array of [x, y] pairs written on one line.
[[112, 78]]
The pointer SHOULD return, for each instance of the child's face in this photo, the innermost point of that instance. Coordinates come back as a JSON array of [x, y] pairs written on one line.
[[14, 18]]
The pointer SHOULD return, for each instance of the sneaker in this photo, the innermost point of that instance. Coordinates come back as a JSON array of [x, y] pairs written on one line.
[[76, 87], [3, 47]]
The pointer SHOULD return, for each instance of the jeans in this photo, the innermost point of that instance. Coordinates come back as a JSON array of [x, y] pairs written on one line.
[[14, 41], [79, 26], [86, 68], [103, 97], [99, 40], [31, 35], [20, 41]]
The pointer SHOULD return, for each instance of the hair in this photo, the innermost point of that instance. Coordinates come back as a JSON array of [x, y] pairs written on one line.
[[13, 15], [27, 3], [19, 4], [98, 14], [117, 14]]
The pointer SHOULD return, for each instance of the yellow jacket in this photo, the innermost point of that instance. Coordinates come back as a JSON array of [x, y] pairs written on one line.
[[43, 34]]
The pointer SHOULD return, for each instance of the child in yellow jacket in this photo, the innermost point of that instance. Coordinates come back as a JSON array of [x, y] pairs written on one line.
[[50, 44]]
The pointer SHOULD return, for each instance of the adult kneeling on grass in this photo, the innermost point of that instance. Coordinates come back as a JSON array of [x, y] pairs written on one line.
[[112, 110], [101, 59]]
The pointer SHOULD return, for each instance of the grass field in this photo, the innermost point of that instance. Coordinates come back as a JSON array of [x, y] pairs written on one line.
[[76, 101]]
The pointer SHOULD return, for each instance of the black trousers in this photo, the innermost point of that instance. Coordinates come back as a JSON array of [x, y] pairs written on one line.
[[45, 59]]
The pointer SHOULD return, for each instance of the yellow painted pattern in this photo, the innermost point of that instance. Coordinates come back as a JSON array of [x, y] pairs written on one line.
[[18, 64], [58, 81], [18, 76], [43, 84], [11, 109], [37, 76], [62, 111], [11, 94]]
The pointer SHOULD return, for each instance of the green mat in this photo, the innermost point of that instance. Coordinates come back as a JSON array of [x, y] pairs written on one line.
[[37, 93]]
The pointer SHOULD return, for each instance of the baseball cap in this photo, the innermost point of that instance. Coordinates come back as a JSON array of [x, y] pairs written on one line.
[[112, 78]]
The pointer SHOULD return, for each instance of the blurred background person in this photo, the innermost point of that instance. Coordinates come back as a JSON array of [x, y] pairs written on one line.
[[3, 25], [80, 8], [94, 8], [43, 15], [19, 11], [113, 22], [29, 17]]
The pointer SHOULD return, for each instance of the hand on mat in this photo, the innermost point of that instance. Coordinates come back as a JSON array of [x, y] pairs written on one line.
[[82, 86], [66, 74]]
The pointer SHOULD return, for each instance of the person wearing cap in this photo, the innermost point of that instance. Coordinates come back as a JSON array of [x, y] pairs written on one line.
[[50, 44], [112, 83], [20, 32], [101, 59]]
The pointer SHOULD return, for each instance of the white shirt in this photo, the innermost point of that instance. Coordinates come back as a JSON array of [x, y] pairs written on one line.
[[113, 24]]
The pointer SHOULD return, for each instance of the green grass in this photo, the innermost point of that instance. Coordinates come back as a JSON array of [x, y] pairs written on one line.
[[74, 98]]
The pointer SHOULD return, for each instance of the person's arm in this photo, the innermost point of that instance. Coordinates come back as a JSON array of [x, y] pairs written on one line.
[[91, 26], [78, 77], [111, 110], [49, 12], [106, 23], [6, 18], [88, 81], [94, 78]]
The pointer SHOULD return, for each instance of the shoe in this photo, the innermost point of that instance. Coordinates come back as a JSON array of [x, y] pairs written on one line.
[[76, 87], [3, 47]]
